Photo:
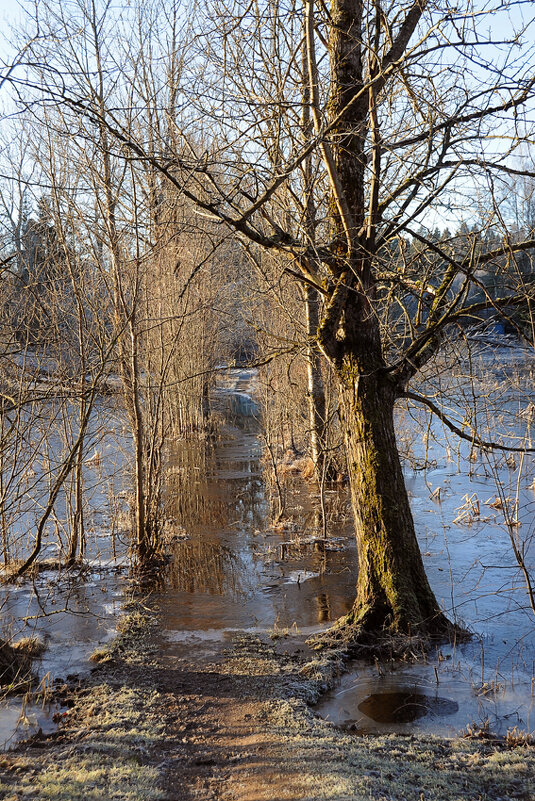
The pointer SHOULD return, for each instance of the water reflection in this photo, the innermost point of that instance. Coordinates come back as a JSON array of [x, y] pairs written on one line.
[[73, 614], [205, 566], [229, 570], [404, 698], [233, 571], [405, 706]]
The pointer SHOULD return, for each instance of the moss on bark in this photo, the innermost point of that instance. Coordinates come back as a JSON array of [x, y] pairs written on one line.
[[393, 592]]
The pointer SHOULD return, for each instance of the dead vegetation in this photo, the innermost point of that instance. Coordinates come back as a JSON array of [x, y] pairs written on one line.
[[16, 663]]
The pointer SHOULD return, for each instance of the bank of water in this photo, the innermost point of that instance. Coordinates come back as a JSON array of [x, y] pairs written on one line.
[[231, 571], [70, 615], [470, 506]]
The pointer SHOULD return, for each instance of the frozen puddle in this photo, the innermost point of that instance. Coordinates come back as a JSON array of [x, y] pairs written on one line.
[[407, 699], [404, 706]]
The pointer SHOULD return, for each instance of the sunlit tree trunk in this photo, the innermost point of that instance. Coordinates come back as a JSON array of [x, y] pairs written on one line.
[[392, 590], [77, 535], [125, 304], [315, 387]]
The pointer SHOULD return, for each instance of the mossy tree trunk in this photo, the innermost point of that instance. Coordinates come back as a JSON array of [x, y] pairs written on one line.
[[393, 592]]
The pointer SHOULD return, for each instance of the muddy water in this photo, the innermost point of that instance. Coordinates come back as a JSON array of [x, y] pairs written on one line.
[[232, 570]]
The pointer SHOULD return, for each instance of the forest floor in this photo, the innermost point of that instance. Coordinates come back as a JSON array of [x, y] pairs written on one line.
[[236, 725]]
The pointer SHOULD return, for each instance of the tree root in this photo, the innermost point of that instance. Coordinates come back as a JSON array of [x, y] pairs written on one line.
[[357, 640]]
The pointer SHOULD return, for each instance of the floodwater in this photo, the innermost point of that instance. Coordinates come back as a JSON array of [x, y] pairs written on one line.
[[229, 570], [469, 506], [72, 616]]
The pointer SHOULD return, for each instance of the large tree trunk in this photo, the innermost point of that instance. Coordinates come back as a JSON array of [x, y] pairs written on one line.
[[392, 591]]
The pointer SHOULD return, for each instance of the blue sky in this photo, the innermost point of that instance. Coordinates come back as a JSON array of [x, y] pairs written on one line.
[[11, 12], [21, 11]]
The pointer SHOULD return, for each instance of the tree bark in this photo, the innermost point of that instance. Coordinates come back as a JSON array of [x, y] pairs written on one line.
[[393, 593], [315, 389], [392, 590]]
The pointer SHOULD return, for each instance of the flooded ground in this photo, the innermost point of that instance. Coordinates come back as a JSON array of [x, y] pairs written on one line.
[[230, 570], [469, 507], [71, 613], [72, 616], [234, 572]]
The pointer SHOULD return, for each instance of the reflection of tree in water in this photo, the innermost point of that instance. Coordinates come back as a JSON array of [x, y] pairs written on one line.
[[323, 603], [190, 498], [199, 495], [200, 566]]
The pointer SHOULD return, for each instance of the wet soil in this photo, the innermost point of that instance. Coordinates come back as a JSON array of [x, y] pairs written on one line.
[[230, 569], [188, 709], [236, 726]]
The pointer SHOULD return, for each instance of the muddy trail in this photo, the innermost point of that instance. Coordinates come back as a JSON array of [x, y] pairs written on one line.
[[238, 727]]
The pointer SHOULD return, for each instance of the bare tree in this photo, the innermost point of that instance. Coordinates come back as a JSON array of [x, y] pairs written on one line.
[[414, 105], [147, 253]]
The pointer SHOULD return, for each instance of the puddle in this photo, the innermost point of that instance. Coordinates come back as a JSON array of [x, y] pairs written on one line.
[[18, 723], [233, 572], [405, 706], [406, 699], [209, 644], [72, 616]]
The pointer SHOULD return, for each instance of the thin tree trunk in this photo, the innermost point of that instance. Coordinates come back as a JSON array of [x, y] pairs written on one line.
[[315, 388], [141, 534], [77, 538], [62, 476], [76, 541]]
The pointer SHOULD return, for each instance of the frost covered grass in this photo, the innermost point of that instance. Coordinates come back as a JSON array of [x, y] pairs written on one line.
[[111, 732], [117, 740], [326, 763], [319, 762]]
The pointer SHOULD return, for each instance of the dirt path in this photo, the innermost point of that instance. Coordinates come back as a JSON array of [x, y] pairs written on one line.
[[222, 742], [235, 726]]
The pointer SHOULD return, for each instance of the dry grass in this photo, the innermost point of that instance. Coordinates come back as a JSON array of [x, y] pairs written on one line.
[[32, 647]]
